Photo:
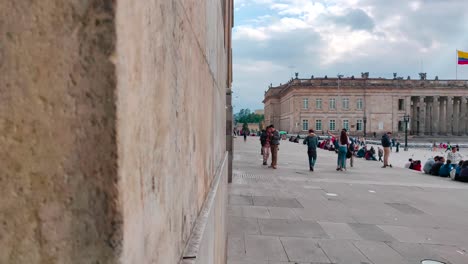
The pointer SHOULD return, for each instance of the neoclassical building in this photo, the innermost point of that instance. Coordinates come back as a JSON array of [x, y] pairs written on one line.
[[369, 105]]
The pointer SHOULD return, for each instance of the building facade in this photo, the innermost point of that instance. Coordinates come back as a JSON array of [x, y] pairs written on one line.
[[369, 106]]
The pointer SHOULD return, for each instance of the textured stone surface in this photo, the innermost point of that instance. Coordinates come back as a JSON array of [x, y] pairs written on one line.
[[58, 167], [112, 128]]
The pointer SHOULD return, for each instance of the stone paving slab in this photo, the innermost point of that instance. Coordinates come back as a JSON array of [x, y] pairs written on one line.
[[366, 215], [304, 250], [293, 228], [343, 252]]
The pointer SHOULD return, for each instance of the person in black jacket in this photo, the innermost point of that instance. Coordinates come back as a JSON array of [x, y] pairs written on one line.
[[265, 146], [274, 138], [311, 141], [386, 143]]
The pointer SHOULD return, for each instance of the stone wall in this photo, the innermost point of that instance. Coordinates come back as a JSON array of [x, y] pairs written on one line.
[[58, 168], [112, 128], [171, 129]]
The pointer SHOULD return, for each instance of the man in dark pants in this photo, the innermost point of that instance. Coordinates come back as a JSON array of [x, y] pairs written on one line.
[[311, 141], [386, 144], [274, 143]]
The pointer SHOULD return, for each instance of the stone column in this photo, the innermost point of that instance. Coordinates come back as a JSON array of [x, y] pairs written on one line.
[[414, 116], [435, 115], [422, 116], [456, 115], [442, 115], [427, 122], [463, 123], [449, 115]]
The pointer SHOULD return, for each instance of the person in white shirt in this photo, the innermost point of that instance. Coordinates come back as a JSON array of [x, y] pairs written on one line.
[[454, 156], [408, 164]]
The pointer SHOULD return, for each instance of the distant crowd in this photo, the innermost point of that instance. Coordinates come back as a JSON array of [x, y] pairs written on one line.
[[349, 148]]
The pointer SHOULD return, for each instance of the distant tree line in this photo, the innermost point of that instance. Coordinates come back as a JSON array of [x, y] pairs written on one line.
[[246, 116]]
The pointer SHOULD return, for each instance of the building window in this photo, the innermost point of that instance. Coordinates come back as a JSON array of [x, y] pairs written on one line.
[[345, 103], [305, 125], [305, 103], [318, 125], [332, 104], [332, 125], [346, 125], [401, 126], [359, 104], [401, 104], [359, 125], [318, 103]]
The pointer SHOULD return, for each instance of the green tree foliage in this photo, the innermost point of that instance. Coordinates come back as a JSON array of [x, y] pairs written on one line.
[[246, 116], [245, 128]]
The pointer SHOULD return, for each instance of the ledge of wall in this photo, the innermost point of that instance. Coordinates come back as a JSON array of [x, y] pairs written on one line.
[[207, 243]]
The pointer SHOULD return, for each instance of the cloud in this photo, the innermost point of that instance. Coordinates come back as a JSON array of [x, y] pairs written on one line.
[[356, 19], [272, 39]]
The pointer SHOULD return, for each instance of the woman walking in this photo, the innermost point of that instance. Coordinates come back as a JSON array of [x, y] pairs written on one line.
[[343, 144]]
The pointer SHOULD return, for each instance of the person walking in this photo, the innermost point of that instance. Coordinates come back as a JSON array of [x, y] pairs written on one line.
[[274, 143], [380, 151], [311, 141], [343, 144], [245, 135], [265, 141], [397, 144], [386, 144], [351, 151]]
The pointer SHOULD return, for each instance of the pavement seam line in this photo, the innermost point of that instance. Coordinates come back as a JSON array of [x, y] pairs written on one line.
[[285, 252], [360, 251]]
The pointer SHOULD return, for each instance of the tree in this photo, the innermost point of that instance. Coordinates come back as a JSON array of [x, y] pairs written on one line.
[[246, 116], [245, 128]]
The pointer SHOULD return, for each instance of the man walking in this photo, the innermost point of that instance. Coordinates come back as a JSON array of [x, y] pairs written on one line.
[[386, 144], [311, 141], [274, 143], [265, 141]]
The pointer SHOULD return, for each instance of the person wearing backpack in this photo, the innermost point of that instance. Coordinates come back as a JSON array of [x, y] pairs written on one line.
[[311, 141], [274, 137], [386, 144], [265, 141]]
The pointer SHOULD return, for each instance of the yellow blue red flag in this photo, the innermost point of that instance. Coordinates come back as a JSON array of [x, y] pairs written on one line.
[[462, 57]]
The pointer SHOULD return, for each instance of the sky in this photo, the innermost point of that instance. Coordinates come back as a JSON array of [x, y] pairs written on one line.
[[273, 39]]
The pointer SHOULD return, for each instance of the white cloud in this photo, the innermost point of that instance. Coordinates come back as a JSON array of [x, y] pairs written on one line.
[[347, 36], [248, 32]]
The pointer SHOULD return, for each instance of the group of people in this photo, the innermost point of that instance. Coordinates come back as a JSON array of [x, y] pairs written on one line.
[[270, 140], [347, 147], [454, 166]]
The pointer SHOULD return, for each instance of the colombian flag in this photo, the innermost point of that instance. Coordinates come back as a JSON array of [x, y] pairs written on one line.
[[462, 57]]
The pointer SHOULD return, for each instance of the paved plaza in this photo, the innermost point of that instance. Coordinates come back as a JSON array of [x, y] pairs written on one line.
[[364, 215]]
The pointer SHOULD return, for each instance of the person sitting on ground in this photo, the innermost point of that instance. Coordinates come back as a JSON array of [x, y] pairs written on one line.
[[370, 154], [454, 156], [458, 168], [436, 167], [449, 147], [361, 152], [445, 169], [416, 165], [408, 165], [296, 140], [428, 165], [463, 172], [372, 150]]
